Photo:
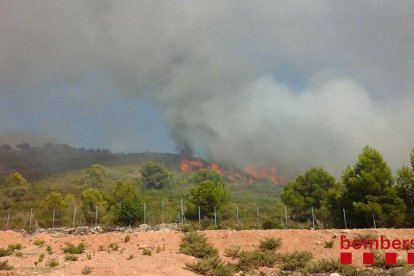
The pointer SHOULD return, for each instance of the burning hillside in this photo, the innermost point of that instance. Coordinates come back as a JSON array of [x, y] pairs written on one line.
[[249, 174]]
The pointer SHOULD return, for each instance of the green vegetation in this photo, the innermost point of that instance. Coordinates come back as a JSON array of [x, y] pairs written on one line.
[[4, 265], [130, 257], [210, 266], [39, 243], [127, 238], [330, 266], [49, 250], [196, 244], [147, 251], [15, 246], [155, 176], [270, 244], [72, 249], [87, 270], [70, 257], [328, 244], [52, 262], [92, 199], [113, 246], [128, 207]]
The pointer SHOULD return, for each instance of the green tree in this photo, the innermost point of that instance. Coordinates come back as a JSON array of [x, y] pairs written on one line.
[[155, 175], [310, 190], [207, 174], [96, 175], [369, 191], [405, 187], [92, 198], [17, 186], [54, 201], [128, 207]]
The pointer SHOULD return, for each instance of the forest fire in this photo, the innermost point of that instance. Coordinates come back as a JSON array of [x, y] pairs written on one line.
[[249, 174]]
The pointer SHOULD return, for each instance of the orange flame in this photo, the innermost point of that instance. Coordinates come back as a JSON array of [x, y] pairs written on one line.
[[249, 174]]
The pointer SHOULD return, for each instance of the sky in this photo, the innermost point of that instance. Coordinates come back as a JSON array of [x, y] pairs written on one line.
[[288, 83]]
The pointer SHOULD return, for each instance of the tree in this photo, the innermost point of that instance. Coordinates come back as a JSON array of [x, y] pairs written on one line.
[[128, 207], [207, 174], [54, 201], [309, 190], [369, 192], [405, 187], [208, 195], [92, 198], [17, 186], [154, 175], [96, 174]]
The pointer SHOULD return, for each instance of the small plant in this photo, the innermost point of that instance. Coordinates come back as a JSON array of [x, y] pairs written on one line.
[[270, 224], [52, 263], [293, 261], [130, 257], [159, 249], [147, 252], [328, 244], [5, 252], [127, 238], [210, 266], [87, 270], [101, 248], [4, 265], [15, 246], [113, 246], [379, 261], [270, 244], [72, 258], [40, 258], [196, 244], [49, 250], [18, 254], [72, 249], [255, 259], [89, 256], [233, 252], [408, 246], [39, 243]]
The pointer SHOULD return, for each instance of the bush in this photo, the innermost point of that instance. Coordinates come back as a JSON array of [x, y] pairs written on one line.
[[87, 270], [15, 246], [293, 261], [233, 252], [49, 250], [270, 224], [255, 259], [72, 249], [130, 257], [4, 265], [270, 244], [52, 263], [328, 244], [196, 244], [379, 261], [147, 252], [39, 243], [127, 238], [113, 246], [210, 266], [72, 258], [5, 252]]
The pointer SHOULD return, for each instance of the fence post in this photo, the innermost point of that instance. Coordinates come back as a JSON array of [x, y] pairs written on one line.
[[96, 217], [162, 212], [257, 217], [74, 217], [182, 211], [313, 219], [343, 210], [237, 215], [215, 217], [30, 220], [8, 220], [53, 217], [145, 213], [373, 218], [199, 217], [286, 218]]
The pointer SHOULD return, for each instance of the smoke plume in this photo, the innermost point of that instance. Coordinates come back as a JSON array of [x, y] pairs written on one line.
[[290, 83]]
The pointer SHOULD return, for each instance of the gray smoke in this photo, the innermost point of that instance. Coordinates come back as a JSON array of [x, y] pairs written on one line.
[[291, 83]]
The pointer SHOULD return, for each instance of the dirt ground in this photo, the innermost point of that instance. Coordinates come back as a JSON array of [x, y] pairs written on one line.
[[169, 261]]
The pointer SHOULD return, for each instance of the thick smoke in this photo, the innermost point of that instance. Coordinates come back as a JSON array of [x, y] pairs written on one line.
[[291, 83]]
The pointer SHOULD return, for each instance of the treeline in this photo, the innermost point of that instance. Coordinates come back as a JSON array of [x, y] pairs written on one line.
[[369, 195], [38, 162]]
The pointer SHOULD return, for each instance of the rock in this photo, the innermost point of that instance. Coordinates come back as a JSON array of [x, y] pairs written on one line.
[[335, 274]]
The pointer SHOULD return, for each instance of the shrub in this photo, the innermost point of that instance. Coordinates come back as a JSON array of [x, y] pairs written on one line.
[[18, 254], [210, 266], [89, 256], [293, 261], [379, 261], [270, 244], [49, 250], [270, 224], [40, 258], [147, 252], [70, 257], [5, 252], [196, 244], [15, 246], [127, 238], [4, 265], [255, 259], [52, 263], [328, 244], [39, 243], [87, 270], [113, 246], [233, 252], [159, 249], [101, 248], [72, 249], [130, 257]]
